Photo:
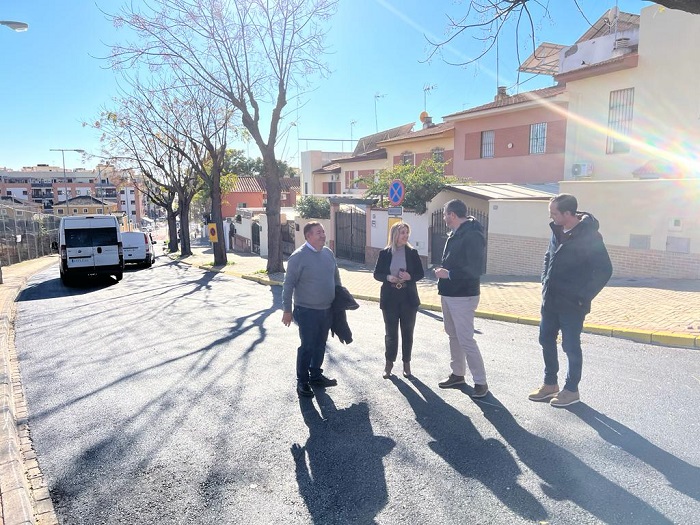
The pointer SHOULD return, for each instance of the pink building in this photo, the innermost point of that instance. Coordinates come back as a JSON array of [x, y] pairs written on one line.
[[516, 138]]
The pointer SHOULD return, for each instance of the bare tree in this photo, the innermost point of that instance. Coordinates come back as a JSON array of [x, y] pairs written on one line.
[[146, 130], [490, 17], [249, 52]]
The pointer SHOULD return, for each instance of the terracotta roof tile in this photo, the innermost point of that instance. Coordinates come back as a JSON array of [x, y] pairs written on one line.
[[520, 98]]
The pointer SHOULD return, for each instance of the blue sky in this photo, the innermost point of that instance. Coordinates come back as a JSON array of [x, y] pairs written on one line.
[[52, 80]]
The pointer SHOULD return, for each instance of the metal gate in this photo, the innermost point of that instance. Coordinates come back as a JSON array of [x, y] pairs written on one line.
[[287, 236], [438, 233], [255, 240], [350, 235]]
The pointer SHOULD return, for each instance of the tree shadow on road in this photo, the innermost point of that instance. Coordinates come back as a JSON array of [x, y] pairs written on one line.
[[683, 476], [461, 445], [566, 477], [344, 481]]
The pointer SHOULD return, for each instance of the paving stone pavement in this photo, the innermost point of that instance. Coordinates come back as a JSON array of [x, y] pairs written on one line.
[[661, 311]]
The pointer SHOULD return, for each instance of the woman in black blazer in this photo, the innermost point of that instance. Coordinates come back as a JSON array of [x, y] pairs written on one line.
[[398, 268]]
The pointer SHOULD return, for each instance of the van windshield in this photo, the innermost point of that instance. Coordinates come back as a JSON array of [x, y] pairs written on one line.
[[84, 237]]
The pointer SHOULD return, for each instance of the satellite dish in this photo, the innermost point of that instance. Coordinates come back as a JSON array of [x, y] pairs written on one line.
[[424, 115]]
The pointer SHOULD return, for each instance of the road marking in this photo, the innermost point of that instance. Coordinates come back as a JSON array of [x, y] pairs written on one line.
[[698, 380]]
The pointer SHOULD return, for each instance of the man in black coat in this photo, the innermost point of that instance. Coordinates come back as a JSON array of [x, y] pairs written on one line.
[[459, 287], [576, 268]]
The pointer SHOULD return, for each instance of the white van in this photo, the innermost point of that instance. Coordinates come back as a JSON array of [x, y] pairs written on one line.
[[138, 248], [90, 245]]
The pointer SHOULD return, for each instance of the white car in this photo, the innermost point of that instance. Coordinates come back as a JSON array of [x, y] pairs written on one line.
[[138, 248]]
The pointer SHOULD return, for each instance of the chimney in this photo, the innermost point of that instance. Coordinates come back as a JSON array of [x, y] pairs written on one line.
[[428, 122], [501, 94]]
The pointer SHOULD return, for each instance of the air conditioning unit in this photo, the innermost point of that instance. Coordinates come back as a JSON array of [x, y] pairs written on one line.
[[582, 170]]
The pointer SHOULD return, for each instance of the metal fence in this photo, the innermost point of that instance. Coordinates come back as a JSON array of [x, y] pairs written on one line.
[[25, 235]]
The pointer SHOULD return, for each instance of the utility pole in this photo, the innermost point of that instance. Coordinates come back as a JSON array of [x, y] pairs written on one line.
[[426, 88], [376, 121]]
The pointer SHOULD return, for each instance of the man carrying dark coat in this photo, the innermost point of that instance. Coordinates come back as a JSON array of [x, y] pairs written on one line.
[[576, 268]]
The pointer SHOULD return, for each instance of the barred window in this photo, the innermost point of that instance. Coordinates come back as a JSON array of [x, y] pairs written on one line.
[[538, 138], [620, 120], [407, 158], [438, 154], [488, 139]]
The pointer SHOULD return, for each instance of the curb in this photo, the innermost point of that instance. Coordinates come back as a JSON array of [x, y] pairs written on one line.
[[24, 496], [641, 336]]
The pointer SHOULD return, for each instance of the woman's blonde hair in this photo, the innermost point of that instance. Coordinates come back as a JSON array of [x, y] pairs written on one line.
[[394, 235]]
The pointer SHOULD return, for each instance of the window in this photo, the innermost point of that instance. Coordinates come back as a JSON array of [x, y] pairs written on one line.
[[60, 211], [121, 192], [488, 138], [123, 203], [133, 212], [85, 210], [407, 158], [538, 138], [19, 213], [100, 210], [438, 154], [75, 211], [133, 203], [619, 120]]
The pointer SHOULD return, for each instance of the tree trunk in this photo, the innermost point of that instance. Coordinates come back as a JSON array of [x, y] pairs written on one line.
[[185, 246], [172, 231], [274, 190], [219, 246]]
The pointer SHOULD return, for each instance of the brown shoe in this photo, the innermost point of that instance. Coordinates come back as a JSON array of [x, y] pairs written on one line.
[[544, 393], [564, 399]]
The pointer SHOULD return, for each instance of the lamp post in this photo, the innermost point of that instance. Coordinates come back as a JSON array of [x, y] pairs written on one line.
[[65, 180], [15, 26]]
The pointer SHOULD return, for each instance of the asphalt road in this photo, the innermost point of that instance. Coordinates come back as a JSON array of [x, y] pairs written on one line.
[[169, 398]]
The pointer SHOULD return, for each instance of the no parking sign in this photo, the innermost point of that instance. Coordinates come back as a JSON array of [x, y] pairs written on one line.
[[397, 192], [213, 237]]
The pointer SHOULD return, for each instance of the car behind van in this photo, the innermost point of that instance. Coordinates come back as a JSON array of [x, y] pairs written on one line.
[[138, 248], [90, 245]]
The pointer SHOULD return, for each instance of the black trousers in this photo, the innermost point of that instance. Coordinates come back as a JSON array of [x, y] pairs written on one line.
[[399, 313]]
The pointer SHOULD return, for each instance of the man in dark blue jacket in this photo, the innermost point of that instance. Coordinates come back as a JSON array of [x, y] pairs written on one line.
[[576, 268], [459, 287]]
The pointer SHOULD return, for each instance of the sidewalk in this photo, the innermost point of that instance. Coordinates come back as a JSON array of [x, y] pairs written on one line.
[[24, 497], [659, 311]]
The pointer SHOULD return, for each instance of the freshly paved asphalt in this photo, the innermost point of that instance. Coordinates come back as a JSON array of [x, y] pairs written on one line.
[[659, 311]]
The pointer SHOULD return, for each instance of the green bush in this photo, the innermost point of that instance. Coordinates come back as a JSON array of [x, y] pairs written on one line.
[[313, 208]]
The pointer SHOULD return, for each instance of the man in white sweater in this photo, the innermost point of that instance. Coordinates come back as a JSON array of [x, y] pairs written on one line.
[[311, 278]]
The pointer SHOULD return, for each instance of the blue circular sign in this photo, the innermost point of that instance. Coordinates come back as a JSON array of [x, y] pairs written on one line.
[[397, 192]]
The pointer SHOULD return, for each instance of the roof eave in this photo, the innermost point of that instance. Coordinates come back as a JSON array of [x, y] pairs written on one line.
[[629, 61], [560, 98]]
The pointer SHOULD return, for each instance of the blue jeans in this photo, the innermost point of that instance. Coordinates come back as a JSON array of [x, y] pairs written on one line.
[[313, 332], [571, 325]]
